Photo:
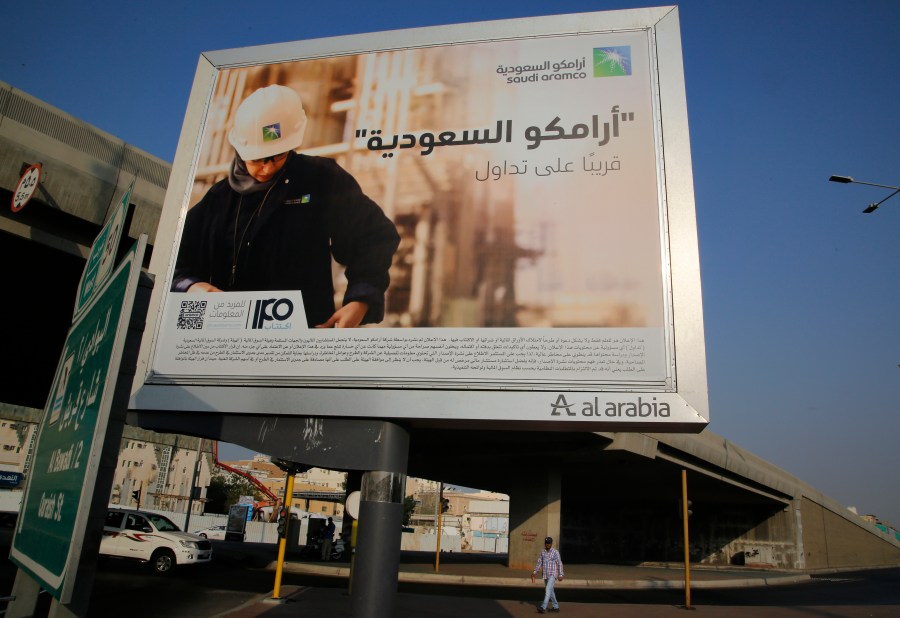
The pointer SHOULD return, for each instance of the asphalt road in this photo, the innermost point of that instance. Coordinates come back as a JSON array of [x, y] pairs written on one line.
[[220, 589], [236, 585]]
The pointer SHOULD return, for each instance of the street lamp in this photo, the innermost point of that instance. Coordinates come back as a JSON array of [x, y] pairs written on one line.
[[870, 207]]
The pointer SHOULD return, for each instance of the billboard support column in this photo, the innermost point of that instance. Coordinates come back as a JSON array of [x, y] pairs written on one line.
[[377, 561]]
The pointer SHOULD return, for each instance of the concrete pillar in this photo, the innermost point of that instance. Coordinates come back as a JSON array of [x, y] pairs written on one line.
[[535, 501]]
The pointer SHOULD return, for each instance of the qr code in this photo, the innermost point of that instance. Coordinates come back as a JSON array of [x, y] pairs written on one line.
[[191, 314]]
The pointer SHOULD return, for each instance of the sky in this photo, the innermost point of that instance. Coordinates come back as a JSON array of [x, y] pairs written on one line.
[[801, 291]]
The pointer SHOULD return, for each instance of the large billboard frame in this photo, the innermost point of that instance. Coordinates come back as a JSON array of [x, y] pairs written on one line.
[[676, 401]]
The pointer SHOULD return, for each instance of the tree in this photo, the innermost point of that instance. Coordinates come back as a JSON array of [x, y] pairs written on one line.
[[409, 505], [227, 489]]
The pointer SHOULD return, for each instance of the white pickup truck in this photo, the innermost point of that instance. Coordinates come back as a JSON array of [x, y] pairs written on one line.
[[153, 539]]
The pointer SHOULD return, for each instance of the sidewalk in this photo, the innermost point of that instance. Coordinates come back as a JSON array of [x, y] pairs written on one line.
[[480, 572], [469, 570]]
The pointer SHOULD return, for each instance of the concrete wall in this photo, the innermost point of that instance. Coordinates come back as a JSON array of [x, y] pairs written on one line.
[[534, 513], [498, 545], [428, 542], [831, 541], [770, 543]]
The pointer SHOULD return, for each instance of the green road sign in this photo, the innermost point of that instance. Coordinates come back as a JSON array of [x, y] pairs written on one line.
[[102, 258], [51, 525]]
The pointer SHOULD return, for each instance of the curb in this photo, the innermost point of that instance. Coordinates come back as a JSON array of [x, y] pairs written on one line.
[[252, 607], [524, 582]]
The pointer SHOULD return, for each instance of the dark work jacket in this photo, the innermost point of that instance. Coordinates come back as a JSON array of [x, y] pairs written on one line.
[[284, 239]]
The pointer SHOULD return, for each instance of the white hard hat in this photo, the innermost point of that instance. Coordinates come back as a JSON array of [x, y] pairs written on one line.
[[268, 122]]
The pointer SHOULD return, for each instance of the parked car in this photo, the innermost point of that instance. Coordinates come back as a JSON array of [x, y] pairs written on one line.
[[152, 539], [216, 533]]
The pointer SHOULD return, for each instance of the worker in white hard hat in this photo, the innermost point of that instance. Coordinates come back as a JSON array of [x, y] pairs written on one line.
[[279, 218]]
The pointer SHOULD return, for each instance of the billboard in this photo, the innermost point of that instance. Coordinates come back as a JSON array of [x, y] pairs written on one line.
[[483, 222]]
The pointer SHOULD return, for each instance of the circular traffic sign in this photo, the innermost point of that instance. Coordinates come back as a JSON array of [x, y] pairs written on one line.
[[28, 184], [351, 504]]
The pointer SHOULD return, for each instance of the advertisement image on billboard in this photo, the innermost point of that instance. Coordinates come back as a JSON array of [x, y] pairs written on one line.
[[497, 216]]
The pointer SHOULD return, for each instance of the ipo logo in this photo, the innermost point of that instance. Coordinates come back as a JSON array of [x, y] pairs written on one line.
[[612, 61], [271, 310], [271, 132]]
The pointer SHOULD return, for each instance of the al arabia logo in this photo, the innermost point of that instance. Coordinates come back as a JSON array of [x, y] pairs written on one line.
[[612, 61], [561, 404], [271, 132]]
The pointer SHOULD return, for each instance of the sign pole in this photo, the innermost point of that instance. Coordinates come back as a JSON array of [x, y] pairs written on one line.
[[25, 592]]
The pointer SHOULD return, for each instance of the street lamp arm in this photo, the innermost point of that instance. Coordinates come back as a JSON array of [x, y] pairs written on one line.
[[848, 179], [872, 184], [877, 204], [870, 207]]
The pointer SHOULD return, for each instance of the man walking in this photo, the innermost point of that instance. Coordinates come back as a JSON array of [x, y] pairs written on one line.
[[550, 564]]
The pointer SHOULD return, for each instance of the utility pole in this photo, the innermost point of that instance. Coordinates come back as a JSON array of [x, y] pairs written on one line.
[[284, 520], [685, 513], [439, 503]]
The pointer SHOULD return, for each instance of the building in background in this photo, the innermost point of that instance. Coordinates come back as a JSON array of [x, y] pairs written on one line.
[[154, 471], [472, 515], [166, 472]]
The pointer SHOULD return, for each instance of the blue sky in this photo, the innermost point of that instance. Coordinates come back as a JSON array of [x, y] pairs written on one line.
[[801, 291]]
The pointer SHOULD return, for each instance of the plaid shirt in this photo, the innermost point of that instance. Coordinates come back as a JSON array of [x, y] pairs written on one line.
[[551, 563]]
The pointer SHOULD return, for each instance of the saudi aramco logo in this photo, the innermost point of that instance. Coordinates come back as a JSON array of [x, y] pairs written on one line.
[[272, 132], [612, 61]]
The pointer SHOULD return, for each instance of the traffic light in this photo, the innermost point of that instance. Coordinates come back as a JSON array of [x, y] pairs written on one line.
[[282, 522], [445, 505], [136, 495], [681, 509]]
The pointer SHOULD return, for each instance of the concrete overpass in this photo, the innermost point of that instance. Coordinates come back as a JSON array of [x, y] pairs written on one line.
[[44, 245], [614, 497]]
